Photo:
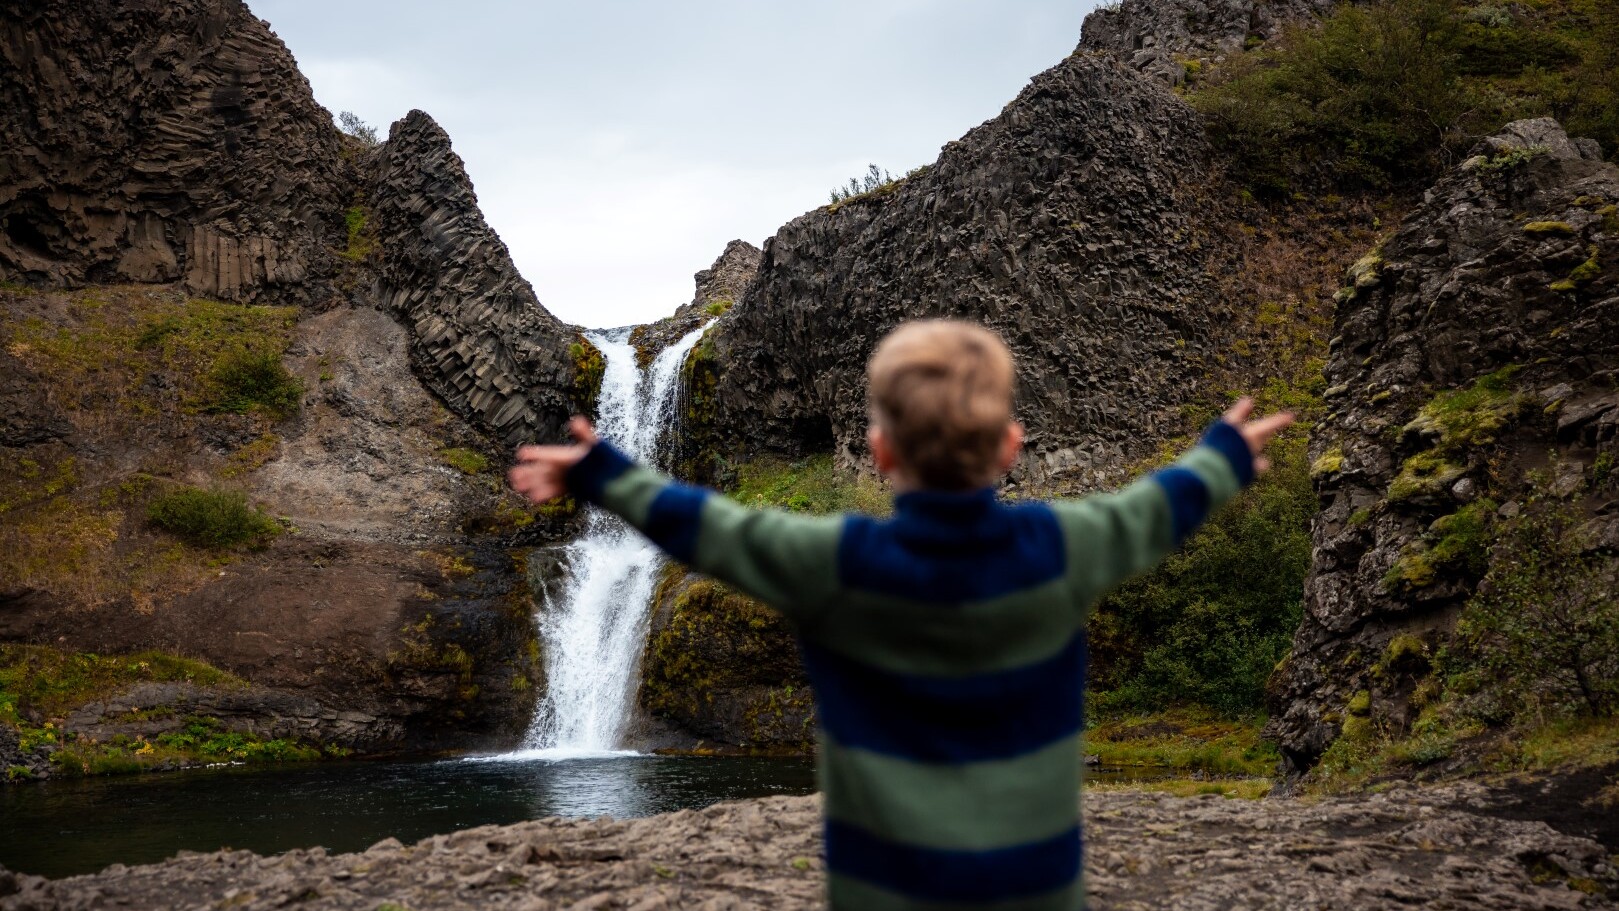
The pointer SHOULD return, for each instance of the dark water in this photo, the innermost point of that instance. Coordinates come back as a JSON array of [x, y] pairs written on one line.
[[69, 827]]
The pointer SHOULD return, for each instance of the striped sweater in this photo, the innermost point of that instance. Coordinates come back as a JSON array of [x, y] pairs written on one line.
[[946, 648]]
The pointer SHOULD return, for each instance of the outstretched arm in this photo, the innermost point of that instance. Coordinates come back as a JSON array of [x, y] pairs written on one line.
[[784, 559], [1113, 536]]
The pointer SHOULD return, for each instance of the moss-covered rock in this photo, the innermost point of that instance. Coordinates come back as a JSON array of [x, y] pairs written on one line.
[[724, 667]]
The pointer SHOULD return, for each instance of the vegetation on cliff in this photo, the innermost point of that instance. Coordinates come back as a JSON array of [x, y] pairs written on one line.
[[1390, 93]]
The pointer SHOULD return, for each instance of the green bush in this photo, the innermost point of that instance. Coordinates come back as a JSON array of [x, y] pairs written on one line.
[[255, 380], [211, 518], [1384, 95], [811, 485], [1209, 625], [1541, 637]]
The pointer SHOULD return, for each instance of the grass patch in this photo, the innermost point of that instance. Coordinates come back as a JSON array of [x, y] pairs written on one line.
[[53, 682], [214, 518], [811, 485], [213, 356], [1230, 788], [467, 461], [1188, 739]]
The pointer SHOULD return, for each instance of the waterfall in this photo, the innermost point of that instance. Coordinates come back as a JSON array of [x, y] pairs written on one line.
[[595, 626]]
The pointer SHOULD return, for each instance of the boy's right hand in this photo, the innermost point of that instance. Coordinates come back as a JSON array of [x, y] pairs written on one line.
[[1257, 432], [541, 472]]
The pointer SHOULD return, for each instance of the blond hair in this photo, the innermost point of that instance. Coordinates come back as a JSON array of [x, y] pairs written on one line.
[[942, 392]]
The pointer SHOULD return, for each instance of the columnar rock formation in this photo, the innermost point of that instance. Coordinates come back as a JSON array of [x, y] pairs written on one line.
[[1502, 283], [482, 341], [164, 142], [1162, 38], [1070, 223]]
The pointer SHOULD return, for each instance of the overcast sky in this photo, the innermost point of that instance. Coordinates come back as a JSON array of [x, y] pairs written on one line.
[[616, 146]]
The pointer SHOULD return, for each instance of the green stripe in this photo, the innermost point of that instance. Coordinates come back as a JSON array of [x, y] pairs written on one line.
[[951, 640], [630, 495], [976, 806], [849, 894], [1215, 471]]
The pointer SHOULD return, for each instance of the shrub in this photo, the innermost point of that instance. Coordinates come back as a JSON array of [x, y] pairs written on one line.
[[211, 518], [812, 485], [1209, 625], [244, 381], [1541, 637], [873, 180], [352, 126]]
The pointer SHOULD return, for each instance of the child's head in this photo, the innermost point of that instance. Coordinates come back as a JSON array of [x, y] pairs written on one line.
[[940, 394]]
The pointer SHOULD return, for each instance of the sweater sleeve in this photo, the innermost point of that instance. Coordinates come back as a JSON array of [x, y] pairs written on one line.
[[1113, 536], [785, 559]]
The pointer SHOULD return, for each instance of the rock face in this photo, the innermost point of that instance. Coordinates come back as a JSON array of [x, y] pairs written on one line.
[[480, 337], [719, 287], [1477, 346], [1445, 849], [1069, 223], [1161, 37], [724, 668], [164, 142]]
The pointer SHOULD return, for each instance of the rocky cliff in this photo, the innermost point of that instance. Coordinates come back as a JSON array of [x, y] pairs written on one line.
[[1472, 371], [164, 142], [479, 335], [204, 286], [719, 287], [1075, 223]]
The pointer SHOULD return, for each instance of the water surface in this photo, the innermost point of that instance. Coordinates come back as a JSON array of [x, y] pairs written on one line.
[[68, 827]]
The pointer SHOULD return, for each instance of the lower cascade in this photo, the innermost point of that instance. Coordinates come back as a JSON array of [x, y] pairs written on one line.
[[593, 629]]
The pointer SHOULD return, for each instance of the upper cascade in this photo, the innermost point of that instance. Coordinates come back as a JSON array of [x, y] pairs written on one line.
[[1075, 223], [170, 141], [482, 340]]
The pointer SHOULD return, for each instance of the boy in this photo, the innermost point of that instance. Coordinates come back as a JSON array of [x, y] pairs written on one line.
[[945, 644]]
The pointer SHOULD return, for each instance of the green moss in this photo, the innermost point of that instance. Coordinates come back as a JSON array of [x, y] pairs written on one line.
[[1331, 462], [588, 367], [1360, 704], [1583, 274], [1457, 542], [1470, 417], [362, 241], [1424, 474], [1561, 228], [1360, 516], [1405, 654], [719, 307], [467, 461], [216, 518]]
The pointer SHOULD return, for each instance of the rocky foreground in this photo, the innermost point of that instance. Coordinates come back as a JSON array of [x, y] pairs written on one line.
[[1433, 848]]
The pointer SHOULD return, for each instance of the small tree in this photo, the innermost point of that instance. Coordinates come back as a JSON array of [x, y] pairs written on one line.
[[351, 125], [1542, 634]]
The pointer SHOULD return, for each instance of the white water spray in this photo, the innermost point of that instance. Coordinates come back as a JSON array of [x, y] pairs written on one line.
[[593, 630]]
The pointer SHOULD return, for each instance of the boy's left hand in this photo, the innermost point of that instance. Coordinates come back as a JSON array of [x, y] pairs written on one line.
[[541, 471], [1257, 432]]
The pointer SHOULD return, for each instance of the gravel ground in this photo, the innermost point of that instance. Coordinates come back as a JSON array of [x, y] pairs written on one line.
[[1435, 848]]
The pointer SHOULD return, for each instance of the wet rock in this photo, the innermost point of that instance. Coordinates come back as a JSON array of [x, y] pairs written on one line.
[[1475, 282]]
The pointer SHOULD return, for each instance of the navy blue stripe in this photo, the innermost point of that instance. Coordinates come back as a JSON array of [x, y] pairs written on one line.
[[1227, 440], [971, 551], [591, 474], [1188, 499], [964, 876], [949, 719], [674, 518]]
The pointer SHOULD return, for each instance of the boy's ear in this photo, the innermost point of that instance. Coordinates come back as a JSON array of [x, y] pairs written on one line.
[[1011, 446], [882, 451]]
